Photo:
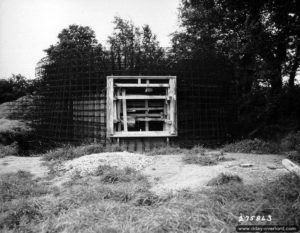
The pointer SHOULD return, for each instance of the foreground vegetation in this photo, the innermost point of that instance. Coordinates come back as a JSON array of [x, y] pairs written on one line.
[[113, 200], [120, 200]]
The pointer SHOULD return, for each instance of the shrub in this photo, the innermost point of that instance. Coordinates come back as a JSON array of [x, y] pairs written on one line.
[[294, 156], [252, 146], [13, 130], [9, 150], [291, 141]]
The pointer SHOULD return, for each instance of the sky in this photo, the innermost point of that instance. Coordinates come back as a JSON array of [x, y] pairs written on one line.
[[27, 27]]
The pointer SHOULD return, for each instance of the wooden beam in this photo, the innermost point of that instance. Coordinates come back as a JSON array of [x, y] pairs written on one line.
[[133, 134], [173, 104], [166, 113], [124, 110], [141, 104], [109, 108], [145, 114], [119, 111], [144, 109], [143, 97], [147, 119], [141, 85], [141, 77]]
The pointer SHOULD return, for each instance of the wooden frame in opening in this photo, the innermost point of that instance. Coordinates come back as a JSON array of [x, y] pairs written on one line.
[[141, 106]]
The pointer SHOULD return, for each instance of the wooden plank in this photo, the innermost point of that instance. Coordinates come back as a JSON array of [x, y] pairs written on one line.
[[145, 114], [173, 113], [124, 110], [144, 109], [141, 77], [146, 119], [143, 97], [109, 108], [133, 134], [119, 111], [115, 110], [166, 113], [292, 167], [141, 85]]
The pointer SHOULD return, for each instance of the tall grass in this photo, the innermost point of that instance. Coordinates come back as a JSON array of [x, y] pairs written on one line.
[[99, 203]]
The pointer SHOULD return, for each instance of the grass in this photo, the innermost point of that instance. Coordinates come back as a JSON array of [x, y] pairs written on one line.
[[197, 155], [252, 146], [119, 200], [71, 152], [222, 179], [167, 150], [19, 185]]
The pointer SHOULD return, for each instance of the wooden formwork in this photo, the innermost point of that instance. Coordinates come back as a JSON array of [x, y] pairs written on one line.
[[141, 107]]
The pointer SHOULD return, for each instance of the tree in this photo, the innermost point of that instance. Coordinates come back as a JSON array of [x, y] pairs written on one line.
[[255, 36], [259, 38], [15, 87], [151, 53], [73, 41], [133, 48]]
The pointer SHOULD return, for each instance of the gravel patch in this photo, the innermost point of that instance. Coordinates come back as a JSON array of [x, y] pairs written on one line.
[[88, 164]]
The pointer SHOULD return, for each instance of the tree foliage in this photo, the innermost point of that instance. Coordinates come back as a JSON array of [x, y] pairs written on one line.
[[74, 40], [15, 87], [259, 37], [131, 47]]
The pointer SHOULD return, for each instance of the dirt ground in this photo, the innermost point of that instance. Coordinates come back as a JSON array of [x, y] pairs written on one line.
[[168, 173], [30, 164]]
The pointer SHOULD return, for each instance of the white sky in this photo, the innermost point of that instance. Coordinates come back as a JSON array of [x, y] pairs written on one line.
[[27, 27]]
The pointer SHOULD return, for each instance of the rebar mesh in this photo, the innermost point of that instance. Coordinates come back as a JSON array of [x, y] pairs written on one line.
[[71, 103]]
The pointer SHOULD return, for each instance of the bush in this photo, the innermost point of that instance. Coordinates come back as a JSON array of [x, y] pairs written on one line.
[[13, 130], [291, 141], [252, 146], [9, 150], [294, 156]]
